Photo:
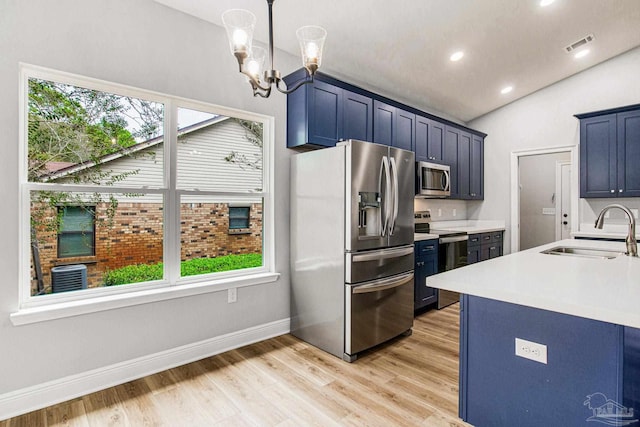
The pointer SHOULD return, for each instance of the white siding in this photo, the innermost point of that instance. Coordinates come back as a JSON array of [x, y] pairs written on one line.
[[201, 164]]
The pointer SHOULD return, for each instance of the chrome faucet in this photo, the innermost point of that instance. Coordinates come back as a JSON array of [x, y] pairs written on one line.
[[632, 245]]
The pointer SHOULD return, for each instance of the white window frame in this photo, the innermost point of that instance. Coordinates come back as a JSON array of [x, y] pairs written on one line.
[[53, 306]]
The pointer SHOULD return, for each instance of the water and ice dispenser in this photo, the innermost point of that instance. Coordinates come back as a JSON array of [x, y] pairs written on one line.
[[369, 214]]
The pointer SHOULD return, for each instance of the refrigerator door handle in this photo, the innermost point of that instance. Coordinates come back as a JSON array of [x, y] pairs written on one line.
[[395, 195], [384, 171], [383, 284], [383, 254]]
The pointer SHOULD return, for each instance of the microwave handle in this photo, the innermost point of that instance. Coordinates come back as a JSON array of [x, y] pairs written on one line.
[[446, 177]]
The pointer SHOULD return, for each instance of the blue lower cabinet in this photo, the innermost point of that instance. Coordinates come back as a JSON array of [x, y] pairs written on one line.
[[592, 369], [426, 264]]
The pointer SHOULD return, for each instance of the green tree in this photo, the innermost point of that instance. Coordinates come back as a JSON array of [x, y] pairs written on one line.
[[74, 125]]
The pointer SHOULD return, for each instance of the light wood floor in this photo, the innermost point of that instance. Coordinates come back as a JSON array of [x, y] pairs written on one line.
[[410, 381]]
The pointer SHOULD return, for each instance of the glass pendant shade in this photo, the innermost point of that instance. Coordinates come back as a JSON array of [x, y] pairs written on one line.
[[311, 40], [254, 66], [239, 24]]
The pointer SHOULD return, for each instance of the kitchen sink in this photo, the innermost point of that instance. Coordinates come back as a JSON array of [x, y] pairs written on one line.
[[582, 252]]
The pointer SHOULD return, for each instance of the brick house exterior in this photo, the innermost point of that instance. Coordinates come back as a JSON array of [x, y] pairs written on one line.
[[134, 235]]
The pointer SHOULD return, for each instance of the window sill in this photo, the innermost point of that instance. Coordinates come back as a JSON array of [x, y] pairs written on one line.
[[91, 305]]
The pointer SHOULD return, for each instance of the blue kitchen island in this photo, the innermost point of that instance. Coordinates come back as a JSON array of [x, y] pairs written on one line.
[[549, 340]]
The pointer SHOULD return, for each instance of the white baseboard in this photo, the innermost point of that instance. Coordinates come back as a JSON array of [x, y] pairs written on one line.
[[42, 395]]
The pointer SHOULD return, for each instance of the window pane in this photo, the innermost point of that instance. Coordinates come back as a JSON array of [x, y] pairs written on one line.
[[76, 218], [79, 135], [128, 239], [218, 153], [75, 244], [206, 243]]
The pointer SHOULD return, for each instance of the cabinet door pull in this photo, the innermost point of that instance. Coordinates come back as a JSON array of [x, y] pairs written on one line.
[[613, 191], [620, 190]]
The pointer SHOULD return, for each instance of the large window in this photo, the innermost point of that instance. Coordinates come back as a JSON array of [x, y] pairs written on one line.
[[146, 186]]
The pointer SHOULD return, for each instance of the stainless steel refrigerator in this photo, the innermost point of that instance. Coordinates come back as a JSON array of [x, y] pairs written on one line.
[[352, 246]]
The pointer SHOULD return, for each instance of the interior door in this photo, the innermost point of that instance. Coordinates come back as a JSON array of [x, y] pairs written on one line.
[[538, 205]]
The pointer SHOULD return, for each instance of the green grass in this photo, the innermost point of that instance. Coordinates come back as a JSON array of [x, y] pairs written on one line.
[[143, 272]]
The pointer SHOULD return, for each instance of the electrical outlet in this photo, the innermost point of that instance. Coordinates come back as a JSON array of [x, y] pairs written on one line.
[[635, 213], [232, 295], [531, 350], [455, 211], [439, 212]]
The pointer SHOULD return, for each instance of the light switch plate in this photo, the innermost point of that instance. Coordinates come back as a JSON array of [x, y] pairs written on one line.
[[635, 213], [531, 350]]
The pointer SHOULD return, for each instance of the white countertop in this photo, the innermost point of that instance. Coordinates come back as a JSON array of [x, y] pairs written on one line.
[[600, 289], [469, 226], [424, 236]]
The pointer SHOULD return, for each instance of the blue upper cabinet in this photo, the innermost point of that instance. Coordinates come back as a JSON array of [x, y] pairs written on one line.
[[383, 122], [357, 116], [436, 141], [476, 168], [423, 127], [393, 126], [322, 114], [464, 165], [314, 115], [405, 134], [470, 166], [610, 153], [629, 154], [598, 163], [450, 152], [429, 139]]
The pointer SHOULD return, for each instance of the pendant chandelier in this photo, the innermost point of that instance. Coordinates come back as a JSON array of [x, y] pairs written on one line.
[[240, 23]]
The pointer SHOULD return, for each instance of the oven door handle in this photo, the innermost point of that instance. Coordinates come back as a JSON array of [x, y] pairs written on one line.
[[383, 284], [453, 239], [383, 254]]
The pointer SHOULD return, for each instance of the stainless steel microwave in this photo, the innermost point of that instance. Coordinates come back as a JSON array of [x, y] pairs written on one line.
[[432, 180]]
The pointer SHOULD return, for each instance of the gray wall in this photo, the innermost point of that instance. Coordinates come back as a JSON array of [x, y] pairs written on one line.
[[537, 186], [545, 119], [146, 45]]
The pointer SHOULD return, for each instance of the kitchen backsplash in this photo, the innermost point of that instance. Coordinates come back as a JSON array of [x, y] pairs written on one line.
[[443, 209], [590, 208]]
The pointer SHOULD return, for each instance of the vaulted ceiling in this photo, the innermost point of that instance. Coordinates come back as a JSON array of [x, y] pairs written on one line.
[[401, 49]]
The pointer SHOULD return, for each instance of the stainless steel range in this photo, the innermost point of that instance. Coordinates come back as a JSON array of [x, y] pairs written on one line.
[[352, 246], [452, 252]]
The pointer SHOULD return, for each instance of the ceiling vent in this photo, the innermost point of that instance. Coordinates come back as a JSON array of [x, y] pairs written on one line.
[[583, 41]]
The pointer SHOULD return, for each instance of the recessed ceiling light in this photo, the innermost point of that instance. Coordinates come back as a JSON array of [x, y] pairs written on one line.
[[506, 90], [544, 3], [457, 56], [581, 53]]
